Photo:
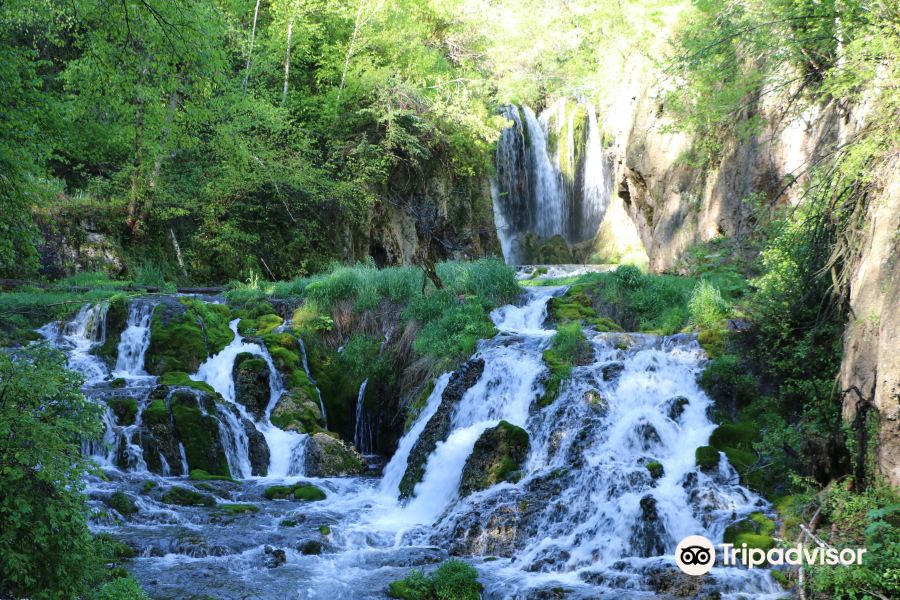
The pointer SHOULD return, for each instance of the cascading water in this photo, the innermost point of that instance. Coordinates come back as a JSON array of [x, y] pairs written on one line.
[[134, 340], [285, 447], [552, 176], [77, 337], [585, 517], [362, 431]]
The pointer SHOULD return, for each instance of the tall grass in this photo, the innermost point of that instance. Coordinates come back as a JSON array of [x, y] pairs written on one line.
[[707, 307]]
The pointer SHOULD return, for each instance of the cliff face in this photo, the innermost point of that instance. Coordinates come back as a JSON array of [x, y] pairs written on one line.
[[674, 206], [870, 371]]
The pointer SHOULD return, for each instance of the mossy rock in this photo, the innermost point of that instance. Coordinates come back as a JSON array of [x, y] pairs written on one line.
[[125, 410], [148, 486], [251, 383], [604, 324], [325, 530], [261, 325], [288, 414], [300, 491], [122, 503], [655, 468], [118, 383], [183, 496], [328, 456], [201, 475], [198, 432], [756, 523], [712, 341], [497, 456], [116, 322], [707, 458], [753, 540], [734, 435], [237, 509], [184, 333], [552, 251], [182, 379]]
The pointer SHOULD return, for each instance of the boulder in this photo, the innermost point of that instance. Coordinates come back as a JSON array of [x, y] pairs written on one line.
[[438, 427], [198, 430], [251, 383], [327, 456], [649, 532], [274, 557], [498, 456], [295, 411], [258, 449]]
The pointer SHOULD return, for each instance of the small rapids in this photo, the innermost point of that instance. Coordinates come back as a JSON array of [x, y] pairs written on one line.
[[586, 519]]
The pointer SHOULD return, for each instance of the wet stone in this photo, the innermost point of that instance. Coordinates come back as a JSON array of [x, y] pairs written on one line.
[[274, 557]]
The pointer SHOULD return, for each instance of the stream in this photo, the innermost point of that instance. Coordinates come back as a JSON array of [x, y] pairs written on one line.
[[585, 520]]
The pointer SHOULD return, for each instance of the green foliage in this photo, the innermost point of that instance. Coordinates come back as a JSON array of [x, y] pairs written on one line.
[[453, 580], [123, 588], [706, 306], [45, 546]]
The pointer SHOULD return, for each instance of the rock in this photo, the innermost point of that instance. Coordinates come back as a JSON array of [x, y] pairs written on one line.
[[498, 456], [295, 411], [310, 547], [158, 440], [274, 557], [258, 449], [707, 458], [655, 469], [183, 496], [198, 430], [675, 407], [122, 503], [299, 491], [184, 332], [612, 371], [647, 435], [595, 400], [251, 383], [673, 583], [125, 409], [649, 532], [327, 456], [438, 427]]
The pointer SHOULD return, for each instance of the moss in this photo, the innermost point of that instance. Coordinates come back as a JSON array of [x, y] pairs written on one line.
[[116, 322], [497, 456], [199, 434], [122, 503], [148, 486], [567, 348], [182, 379], [237, 509], [125, 410], [299, 491], [734, 435], [707, 457], [713, 341], [754, 540], [782, 578], [156, 413], [260, 325], [183, 337], [118, 383], [183, 496], [201, 475], [604, 324], [655, 469], [325, 530]]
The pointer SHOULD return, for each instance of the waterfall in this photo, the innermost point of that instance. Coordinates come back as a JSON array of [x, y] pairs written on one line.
[[77, 337], [134, 340], [553, 177], [285, 447], [312, 381], [362, 432]]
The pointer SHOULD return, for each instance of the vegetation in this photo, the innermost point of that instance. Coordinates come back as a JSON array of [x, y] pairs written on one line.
[[568, 347], [453, 580], [300, 491]]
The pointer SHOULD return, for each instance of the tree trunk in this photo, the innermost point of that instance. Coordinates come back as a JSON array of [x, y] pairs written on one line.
[[250, 51], [356, 24], [287, 56]]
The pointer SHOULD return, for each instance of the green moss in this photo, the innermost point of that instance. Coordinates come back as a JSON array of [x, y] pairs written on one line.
[[125, 410], [734, 435], [237, 509], [185, 340], [260, 325], [201, 475], [707, 457], [116, 322], [567, 347], [655, 469], [183, 496], [713, 341], [182, 379], [122, 503], [325, 530], [148, 486], [753, 540], [781, 577], [604, 324], [156, 413], [118, 383], [299, 491], [199, 434]]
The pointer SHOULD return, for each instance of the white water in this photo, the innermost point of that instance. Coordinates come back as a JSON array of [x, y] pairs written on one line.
[[362, 431], [285, 447], [77, 337], [134, 341], [552, 214]]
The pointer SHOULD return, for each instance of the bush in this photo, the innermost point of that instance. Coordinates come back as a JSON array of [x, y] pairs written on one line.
[[124, 588], [707, 307], [46, 549], [453, 580]]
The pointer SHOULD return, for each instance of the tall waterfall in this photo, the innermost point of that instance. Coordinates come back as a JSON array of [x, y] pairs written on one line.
[[553, 176], [134, 340]]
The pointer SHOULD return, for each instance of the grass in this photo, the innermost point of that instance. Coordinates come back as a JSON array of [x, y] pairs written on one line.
[[453, 580]]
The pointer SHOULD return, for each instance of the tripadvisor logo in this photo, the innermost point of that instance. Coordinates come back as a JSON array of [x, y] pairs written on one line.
[[695, 555]]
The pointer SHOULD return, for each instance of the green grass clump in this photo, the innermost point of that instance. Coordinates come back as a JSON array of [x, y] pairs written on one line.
[[707, 307], [201, 475], [453, 580], [121, 588]]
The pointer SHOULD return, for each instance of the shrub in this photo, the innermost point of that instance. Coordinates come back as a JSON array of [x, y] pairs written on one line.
[[123, 588], [453, 580], [707, 307], [45, 546]]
